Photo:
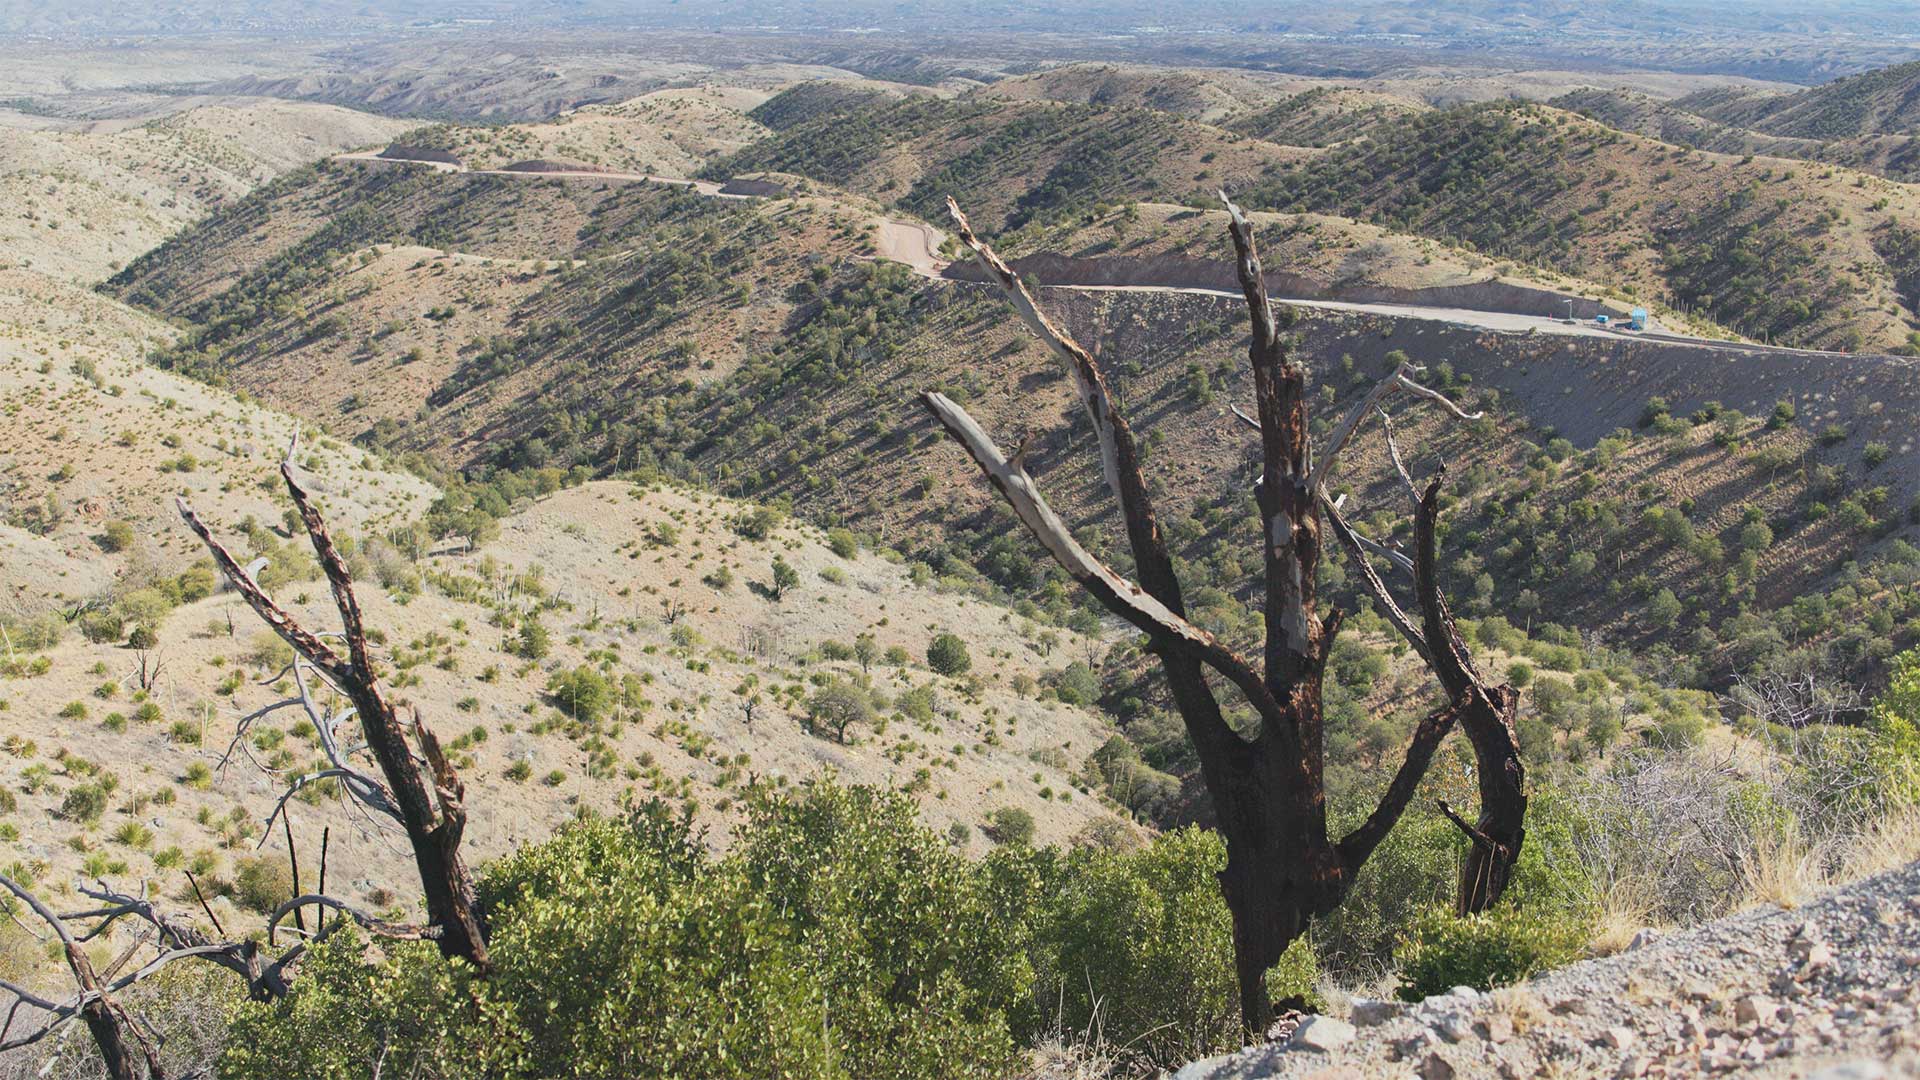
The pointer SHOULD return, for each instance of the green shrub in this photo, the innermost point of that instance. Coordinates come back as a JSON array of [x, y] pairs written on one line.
[[584, 693], [1076, 684], [86, 802], [102, 626], [756, 524], [840, 940], [920, 951], [1544, 919], [532, 642], [602, 906], [785, 577], [1495, 948], [403, 1006], [1145, 938], [838, 706], [117, 536], [1010, 825], [947, 655], [262, 883]]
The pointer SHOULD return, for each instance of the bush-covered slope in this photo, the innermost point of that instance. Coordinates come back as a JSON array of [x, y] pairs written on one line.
[[1010, 162], [1896, 157], [1765, 247], [1885, 101]]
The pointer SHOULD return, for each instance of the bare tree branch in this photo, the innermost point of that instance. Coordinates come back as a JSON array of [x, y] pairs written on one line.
[[433, 817], [371, 923], [1401, 381], [1125, 599]]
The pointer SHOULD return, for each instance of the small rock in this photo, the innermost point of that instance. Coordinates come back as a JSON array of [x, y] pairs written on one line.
[[1435, 1067], [1632, 1066], [1499, 1027], [1819, 957], [1322, 1033], [1411, 1045], [1455, 1028], [1754, 1009], [1465, 993], [1618, 1037], [1367, 1012]]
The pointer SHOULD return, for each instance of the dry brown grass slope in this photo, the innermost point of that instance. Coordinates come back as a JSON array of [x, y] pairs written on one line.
[[618, 576], [96, 435], [80, 204]]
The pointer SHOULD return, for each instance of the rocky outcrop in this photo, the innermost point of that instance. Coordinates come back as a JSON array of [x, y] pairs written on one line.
[[1831, 991]]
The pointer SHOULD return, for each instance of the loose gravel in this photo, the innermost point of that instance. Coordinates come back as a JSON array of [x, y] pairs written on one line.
[[1830, 990]]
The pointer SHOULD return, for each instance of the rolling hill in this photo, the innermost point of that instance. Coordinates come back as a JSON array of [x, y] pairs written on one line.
[[1885, 101], [1014, 161], [755, 347], [82, 203], [1794, 252]]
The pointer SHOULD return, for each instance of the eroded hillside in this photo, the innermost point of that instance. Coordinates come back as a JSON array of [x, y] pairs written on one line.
[[664, 666], [753, 345], [83, 203]]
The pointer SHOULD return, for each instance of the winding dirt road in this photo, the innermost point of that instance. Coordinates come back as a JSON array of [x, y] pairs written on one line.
[[917, 245]]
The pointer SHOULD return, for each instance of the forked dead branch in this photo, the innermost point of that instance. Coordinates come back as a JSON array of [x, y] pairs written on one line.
[[428, 802], [1267, 786], [419, 791]]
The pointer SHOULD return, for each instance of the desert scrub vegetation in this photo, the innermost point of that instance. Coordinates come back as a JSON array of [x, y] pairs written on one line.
[[838, 938], [1747, 248]]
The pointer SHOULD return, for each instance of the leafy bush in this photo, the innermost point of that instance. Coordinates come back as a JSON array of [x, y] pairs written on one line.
[[1010, 825], [1494, 948], [1145, 939], [838, 706], [1544, 919], [117, 536], [262, 883], [840, 940], [947, 654], [756, 524], [583, 692], [86, 802], [532, 642]]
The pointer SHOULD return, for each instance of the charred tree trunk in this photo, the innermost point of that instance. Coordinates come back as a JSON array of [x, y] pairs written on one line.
[[1486, 716], [430, 808], [116, 1052], [1268, 786]]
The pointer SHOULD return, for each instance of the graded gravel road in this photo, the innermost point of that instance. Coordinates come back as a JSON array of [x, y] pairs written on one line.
[[917, 244]]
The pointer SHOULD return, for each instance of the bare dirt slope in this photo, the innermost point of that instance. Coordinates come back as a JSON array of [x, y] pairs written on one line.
[[96, 435], [80, 204], [624, 579], [1826, 991], [670, 132]]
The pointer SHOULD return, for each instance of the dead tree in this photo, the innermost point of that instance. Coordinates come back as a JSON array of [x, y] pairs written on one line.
[[1267, 785], [426, 801], [127, 1051], [118, 1032], [1794, 701]]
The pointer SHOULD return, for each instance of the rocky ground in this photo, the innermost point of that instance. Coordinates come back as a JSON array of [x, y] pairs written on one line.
[[1829, 990]]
